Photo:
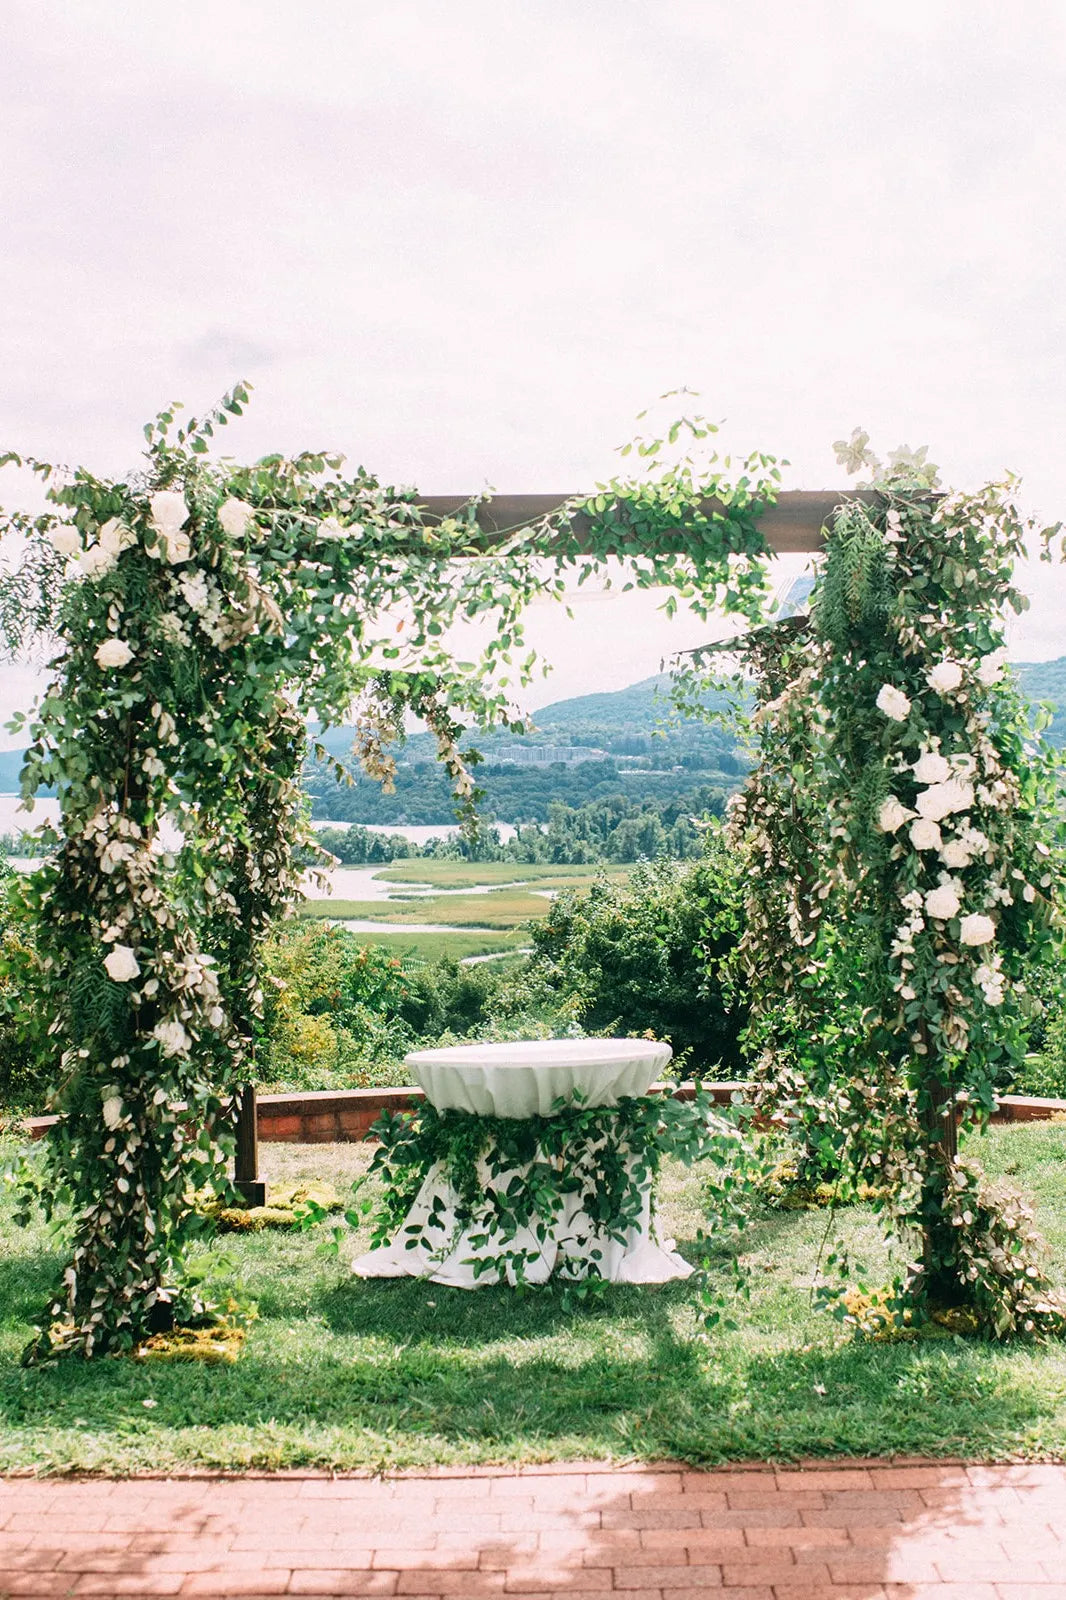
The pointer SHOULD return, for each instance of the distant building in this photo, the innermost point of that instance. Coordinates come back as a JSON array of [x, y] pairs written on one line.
[[546, 755]]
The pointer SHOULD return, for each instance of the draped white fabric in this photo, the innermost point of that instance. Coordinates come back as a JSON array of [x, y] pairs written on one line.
[[571, 1246], [520, 1080]]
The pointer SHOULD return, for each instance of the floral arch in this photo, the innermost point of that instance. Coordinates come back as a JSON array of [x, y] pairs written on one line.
[[216, 606]]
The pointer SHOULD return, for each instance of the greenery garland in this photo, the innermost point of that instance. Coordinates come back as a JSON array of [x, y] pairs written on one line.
[[930, 809], [204, 611], [606, 1159]]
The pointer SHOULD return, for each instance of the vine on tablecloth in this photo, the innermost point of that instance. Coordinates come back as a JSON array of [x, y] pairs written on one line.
[[512, 1176]]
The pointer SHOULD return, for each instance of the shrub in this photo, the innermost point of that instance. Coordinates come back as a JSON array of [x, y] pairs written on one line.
[[445, 997], [332, 1012], [646, 956], [28, 1059]]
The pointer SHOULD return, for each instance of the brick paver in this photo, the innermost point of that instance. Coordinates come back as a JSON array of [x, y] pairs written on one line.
[[879, 1532]]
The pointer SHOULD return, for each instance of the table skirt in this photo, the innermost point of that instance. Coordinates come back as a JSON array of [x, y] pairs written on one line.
[[572, 1247]]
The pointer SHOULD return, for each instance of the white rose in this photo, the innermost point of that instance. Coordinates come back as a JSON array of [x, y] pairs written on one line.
[[121, 964], [977, 929], [892, 815], [173, 1039], [925, 835], [893, 702], [113, 653], [330, 528], [945, 677], [942, 799], [95, 561], [943, 902], [168, 511], [955, 853], [178, 547], [112, 1111], [234, 517], [114, 537], [932, 768], [65, 539], [990, 667]]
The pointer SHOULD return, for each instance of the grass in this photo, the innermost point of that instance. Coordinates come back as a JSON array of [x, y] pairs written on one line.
[[457, 946], [469, 874], [345, 1374]]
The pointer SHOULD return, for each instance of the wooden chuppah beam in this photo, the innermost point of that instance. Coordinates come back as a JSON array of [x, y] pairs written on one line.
[[796, 523]]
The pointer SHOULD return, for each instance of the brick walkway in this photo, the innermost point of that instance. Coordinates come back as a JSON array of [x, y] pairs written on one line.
[[852, 1533]]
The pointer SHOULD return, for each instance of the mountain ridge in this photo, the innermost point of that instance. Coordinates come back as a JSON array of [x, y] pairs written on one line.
[[638, 715]]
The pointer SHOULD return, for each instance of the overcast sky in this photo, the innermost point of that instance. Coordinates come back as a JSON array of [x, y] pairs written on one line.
[[466, 241]]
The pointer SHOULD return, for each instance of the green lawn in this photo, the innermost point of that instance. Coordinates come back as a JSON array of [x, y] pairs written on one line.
[[341, 1373]]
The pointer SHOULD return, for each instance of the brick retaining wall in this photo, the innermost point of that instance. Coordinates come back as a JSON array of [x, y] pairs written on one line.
[[344, 1116]]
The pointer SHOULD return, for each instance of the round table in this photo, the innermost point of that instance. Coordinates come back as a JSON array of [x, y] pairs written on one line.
[[522, 1079]]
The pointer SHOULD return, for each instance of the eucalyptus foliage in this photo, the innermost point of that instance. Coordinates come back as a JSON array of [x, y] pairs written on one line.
[[203, 611], [578, 1178], [904, 832]]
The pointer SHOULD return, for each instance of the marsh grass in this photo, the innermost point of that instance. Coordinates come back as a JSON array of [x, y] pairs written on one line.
[[342, 1373], [500, 908], [469, 874]]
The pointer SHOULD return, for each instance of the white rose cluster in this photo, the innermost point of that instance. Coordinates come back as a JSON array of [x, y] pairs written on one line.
[[893, 702], [989, 979], [121, 963], [168, 515], [113, 653], [963, 850], [945, 677], [977, 929], [943, 902], [942, 800], [235, 517], [172, 1038], [990, 668], [932, 767], [65, 539], [925, 834], [892, 815]]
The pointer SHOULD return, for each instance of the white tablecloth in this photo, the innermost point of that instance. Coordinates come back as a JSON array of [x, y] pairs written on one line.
[[522, 1080]]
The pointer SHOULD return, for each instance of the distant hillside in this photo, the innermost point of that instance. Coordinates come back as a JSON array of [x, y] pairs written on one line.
[[634, 726], [10, 767], [636, 722]]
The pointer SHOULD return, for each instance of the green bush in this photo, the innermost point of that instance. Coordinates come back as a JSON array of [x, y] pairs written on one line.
[[445, 997], [29, 1063], [331, 1016], [646, 957]]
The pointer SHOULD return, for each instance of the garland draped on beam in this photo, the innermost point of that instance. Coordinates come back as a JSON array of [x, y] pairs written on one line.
[[204, 610]]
